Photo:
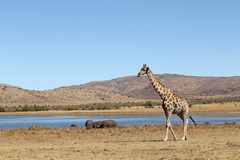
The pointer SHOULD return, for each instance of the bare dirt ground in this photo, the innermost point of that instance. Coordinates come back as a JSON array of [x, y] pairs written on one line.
[[206, 141]]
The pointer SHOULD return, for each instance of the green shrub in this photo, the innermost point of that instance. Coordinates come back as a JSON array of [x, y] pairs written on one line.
[[148, 104], [2, 109]]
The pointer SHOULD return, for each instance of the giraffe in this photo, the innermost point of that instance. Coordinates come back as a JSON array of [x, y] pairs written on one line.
[[172, 104]]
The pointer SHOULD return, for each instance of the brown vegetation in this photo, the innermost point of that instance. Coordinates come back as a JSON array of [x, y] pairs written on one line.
[[233, 107], [206, 141], [125, 90], [65, 96]]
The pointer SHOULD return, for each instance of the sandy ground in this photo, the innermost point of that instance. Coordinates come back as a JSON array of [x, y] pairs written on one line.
[[206, 141]]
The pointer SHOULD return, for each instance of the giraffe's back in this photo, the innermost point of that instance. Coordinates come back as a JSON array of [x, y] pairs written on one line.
[[176, 104]]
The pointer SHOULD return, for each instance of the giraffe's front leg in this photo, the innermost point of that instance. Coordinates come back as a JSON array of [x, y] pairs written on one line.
[[174, 136], [168, 126]]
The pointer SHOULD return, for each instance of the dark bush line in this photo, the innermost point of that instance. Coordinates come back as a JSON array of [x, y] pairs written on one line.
[[215, 100], [108, 106], [93, 106], [24, 108]]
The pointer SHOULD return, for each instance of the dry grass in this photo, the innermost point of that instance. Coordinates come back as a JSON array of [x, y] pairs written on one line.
[[206, 141], [216, 107]]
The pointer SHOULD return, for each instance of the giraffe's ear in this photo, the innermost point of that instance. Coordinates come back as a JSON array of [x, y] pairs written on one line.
[[147, 69]]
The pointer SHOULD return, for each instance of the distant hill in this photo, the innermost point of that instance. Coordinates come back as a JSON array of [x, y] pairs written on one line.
[[14, 96], [123, 89], [183, 85]]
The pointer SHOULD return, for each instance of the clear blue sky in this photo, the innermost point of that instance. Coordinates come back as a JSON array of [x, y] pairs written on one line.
[[46, 44]]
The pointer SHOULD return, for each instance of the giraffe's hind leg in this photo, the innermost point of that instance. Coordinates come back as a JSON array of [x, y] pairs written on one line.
[[183, 116]]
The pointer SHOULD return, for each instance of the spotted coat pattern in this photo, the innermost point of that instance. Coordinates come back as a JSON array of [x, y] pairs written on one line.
[[172, 104]]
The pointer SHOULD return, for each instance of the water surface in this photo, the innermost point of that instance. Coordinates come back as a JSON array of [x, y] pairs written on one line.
[[7, 122]]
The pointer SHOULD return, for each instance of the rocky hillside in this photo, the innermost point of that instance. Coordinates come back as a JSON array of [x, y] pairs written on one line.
[[14, 96], [183, 85], [124, 89]]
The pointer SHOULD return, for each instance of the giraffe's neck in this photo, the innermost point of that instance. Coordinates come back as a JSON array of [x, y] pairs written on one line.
[[163, 91]]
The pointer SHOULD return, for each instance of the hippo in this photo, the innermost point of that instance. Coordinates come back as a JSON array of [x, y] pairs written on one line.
[[100, 124], [73, 126]]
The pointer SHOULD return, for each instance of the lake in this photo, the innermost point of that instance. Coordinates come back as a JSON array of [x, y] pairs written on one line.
[[7, 122]]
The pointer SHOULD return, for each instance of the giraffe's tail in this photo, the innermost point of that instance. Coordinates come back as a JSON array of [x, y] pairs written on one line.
[[193, 120]]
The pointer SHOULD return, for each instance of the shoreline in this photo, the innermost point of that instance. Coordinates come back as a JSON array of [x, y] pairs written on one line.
[[227, 108]]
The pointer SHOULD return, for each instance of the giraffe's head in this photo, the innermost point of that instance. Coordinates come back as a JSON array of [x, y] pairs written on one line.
[[143, 70]]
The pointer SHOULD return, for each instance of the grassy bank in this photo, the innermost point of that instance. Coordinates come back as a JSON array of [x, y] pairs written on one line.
[[206, 141], [137, 110]]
